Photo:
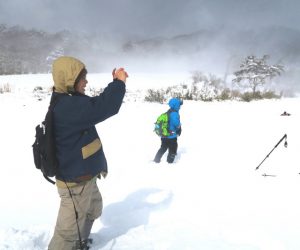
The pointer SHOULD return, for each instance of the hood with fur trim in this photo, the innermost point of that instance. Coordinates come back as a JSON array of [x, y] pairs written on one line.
[[65, 70]]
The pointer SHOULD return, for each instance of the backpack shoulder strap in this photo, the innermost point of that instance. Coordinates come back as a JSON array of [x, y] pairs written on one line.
[[54, 100], [169, 112]]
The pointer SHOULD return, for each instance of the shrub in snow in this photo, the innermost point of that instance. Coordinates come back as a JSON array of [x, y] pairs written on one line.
[[5, 88], [258, 95], [226, 94], [202, 88], [205, 88], [41, 93], [271, 95], [158, 95], [92, 91]]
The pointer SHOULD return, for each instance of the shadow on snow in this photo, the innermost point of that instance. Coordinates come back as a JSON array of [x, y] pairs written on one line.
[[134, 211]]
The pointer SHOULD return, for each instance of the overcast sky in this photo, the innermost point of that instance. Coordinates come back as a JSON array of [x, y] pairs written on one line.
[[148, 18]]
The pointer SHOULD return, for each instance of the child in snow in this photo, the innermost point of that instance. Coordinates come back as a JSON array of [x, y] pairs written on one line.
[[170, 142]]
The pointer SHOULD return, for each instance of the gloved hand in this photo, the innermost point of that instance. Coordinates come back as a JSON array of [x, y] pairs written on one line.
[[178, 131]]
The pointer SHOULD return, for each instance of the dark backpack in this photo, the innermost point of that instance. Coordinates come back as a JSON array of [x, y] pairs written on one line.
[[44, 150], [161, 127]]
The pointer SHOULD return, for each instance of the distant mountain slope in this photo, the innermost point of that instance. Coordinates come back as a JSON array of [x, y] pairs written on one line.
[[282, 44], [31, 51]]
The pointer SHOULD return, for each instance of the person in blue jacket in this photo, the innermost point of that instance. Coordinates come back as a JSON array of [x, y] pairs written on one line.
[[79, 150], [170, 142]]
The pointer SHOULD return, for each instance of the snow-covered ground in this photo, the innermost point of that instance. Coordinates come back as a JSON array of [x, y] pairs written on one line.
[[211, 198]]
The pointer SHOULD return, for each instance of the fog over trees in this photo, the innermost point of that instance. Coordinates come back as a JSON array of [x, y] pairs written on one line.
[[217, 51]]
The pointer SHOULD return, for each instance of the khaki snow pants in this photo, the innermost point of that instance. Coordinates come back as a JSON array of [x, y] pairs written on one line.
[[88, 203]]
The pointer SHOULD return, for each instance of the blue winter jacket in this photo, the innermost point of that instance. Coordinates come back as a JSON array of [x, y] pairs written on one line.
[[174, 118], [78, 147]]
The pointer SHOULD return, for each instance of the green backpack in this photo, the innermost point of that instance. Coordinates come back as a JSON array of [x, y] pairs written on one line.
[[162, 125]]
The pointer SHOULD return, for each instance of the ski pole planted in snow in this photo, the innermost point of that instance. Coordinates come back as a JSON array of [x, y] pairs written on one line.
[[285, 144]]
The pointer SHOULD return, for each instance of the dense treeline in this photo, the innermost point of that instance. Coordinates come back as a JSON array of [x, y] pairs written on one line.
[[32, 51], [26, 51]]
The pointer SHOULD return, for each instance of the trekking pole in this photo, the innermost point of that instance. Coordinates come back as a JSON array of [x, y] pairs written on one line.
[[266, 175], [285, 144]]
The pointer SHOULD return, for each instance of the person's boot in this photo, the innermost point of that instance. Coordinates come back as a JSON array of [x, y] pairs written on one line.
[[85, 244], [159, 154], [156, 160], [157, 157], [171, 158]]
